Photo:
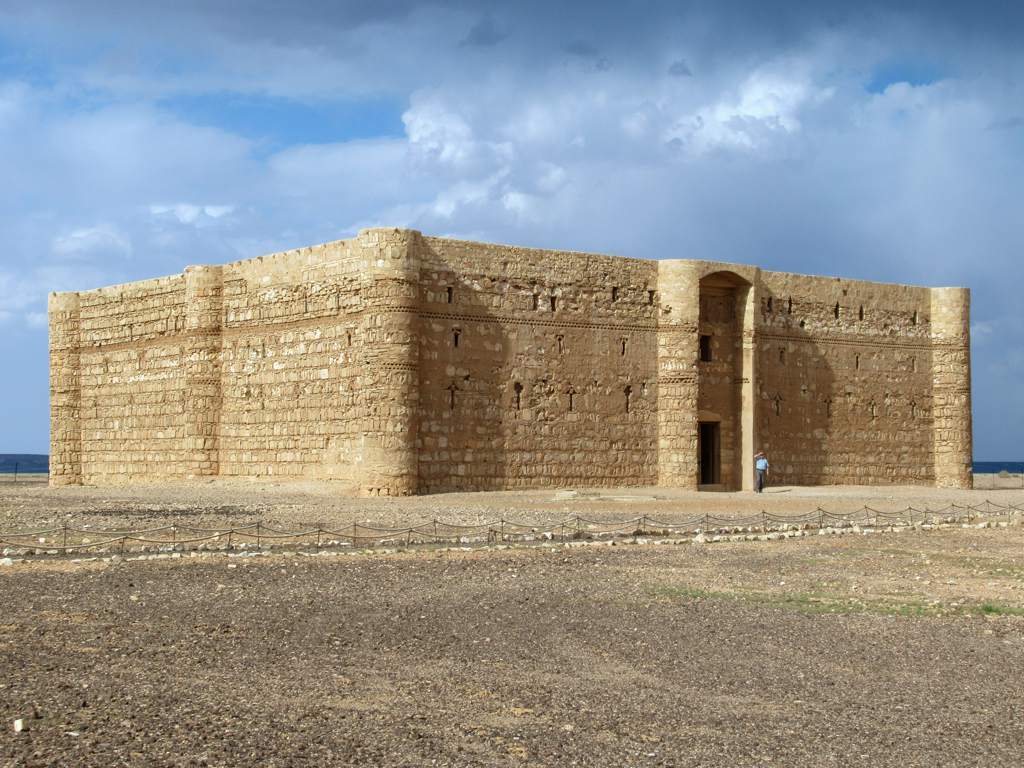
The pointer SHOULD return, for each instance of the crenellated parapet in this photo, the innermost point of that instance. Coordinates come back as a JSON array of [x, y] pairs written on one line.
[[65, 389], [951, 387]]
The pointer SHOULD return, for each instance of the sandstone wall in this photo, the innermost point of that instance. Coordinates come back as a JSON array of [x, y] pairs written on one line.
[[397, 363], [133, 357], [845, 391], [536, 368]]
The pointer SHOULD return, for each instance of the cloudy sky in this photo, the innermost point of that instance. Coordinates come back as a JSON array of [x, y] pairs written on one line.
[[872, 140]]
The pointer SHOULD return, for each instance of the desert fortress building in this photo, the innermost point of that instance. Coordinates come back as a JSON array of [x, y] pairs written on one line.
[[400, 363]]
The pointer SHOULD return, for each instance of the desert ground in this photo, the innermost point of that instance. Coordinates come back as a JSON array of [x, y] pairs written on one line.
[[898, 648]]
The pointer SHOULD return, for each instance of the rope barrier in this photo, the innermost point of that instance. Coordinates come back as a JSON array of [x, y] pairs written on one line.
[[437, 531]]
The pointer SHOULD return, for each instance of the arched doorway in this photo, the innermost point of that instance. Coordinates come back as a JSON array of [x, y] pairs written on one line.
[[725, 382]]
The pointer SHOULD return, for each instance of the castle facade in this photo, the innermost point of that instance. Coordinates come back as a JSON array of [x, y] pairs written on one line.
[[398, 363]]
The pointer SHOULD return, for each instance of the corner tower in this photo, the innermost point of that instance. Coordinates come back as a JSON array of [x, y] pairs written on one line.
[[951, 387], [65, 389], [388, 457]]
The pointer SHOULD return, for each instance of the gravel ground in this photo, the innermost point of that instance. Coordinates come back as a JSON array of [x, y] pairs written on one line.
[[899, 649]]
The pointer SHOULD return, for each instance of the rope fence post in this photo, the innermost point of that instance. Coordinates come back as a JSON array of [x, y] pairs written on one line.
[[65, 539], [258, 538], [318, 537], [764, 521]]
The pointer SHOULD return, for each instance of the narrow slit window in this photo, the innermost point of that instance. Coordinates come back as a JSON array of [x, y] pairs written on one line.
[[913, 409], [705, 348], [860, 312], [828, 408], [535, 300], [560, 341], [913, 363], [554, 303], [622, 349], [627, 394], [615, 293], [856, 362], [571, 393], [782, 355], [789, 306], [835, 311], [517, 391], [913, 318], [449, 294], [778, 406], [348, 337], [452, 389], [650, 297], [456, 333], [769, 304]]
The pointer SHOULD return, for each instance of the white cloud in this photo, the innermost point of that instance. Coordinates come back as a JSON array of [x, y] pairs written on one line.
[[436, 132], [100, 241], [766, 104], [189, 213], [552, 177]]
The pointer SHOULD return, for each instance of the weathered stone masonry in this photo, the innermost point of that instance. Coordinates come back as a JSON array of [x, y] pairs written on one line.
[[399, 363]]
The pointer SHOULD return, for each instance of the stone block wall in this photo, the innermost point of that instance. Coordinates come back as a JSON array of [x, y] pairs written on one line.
[[536, 368], [397, 363], [132, 360], [845, 393]]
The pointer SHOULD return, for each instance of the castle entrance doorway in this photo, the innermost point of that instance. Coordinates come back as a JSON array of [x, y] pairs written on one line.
[[709, 441], [725, 381]]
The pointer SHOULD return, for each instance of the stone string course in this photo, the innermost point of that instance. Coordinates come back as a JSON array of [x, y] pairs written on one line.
[[398, 363]]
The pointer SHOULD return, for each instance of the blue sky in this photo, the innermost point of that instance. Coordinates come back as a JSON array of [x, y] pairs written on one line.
[[875, 140]]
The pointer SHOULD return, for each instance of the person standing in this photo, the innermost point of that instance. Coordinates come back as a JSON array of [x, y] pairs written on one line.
[[761, 469]]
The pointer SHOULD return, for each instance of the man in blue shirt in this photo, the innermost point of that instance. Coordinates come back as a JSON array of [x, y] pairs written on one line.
[[761, 467]]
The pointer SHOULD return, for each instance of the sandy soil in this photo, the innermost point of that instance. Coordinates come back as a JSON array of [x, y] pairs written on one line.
[[899, 649]]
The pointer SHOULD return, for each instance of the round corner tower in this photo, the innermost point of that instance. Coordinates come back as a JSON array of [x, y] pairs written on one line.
[[204, 302], [388, 459], [65, 389], [951, 387]]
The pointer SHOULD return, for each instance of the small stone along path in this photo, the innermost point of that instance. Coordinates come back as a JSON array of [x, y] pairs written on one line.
[[70, 540]]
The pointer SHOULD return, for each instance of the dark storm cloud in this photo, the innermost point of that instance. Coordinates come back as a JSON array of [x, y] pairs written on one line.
[[680, 68], [484, 34]]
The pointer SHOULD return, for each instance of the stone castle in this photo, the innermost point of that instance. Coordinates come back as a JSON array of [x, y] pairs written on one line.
[[399, 363]]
